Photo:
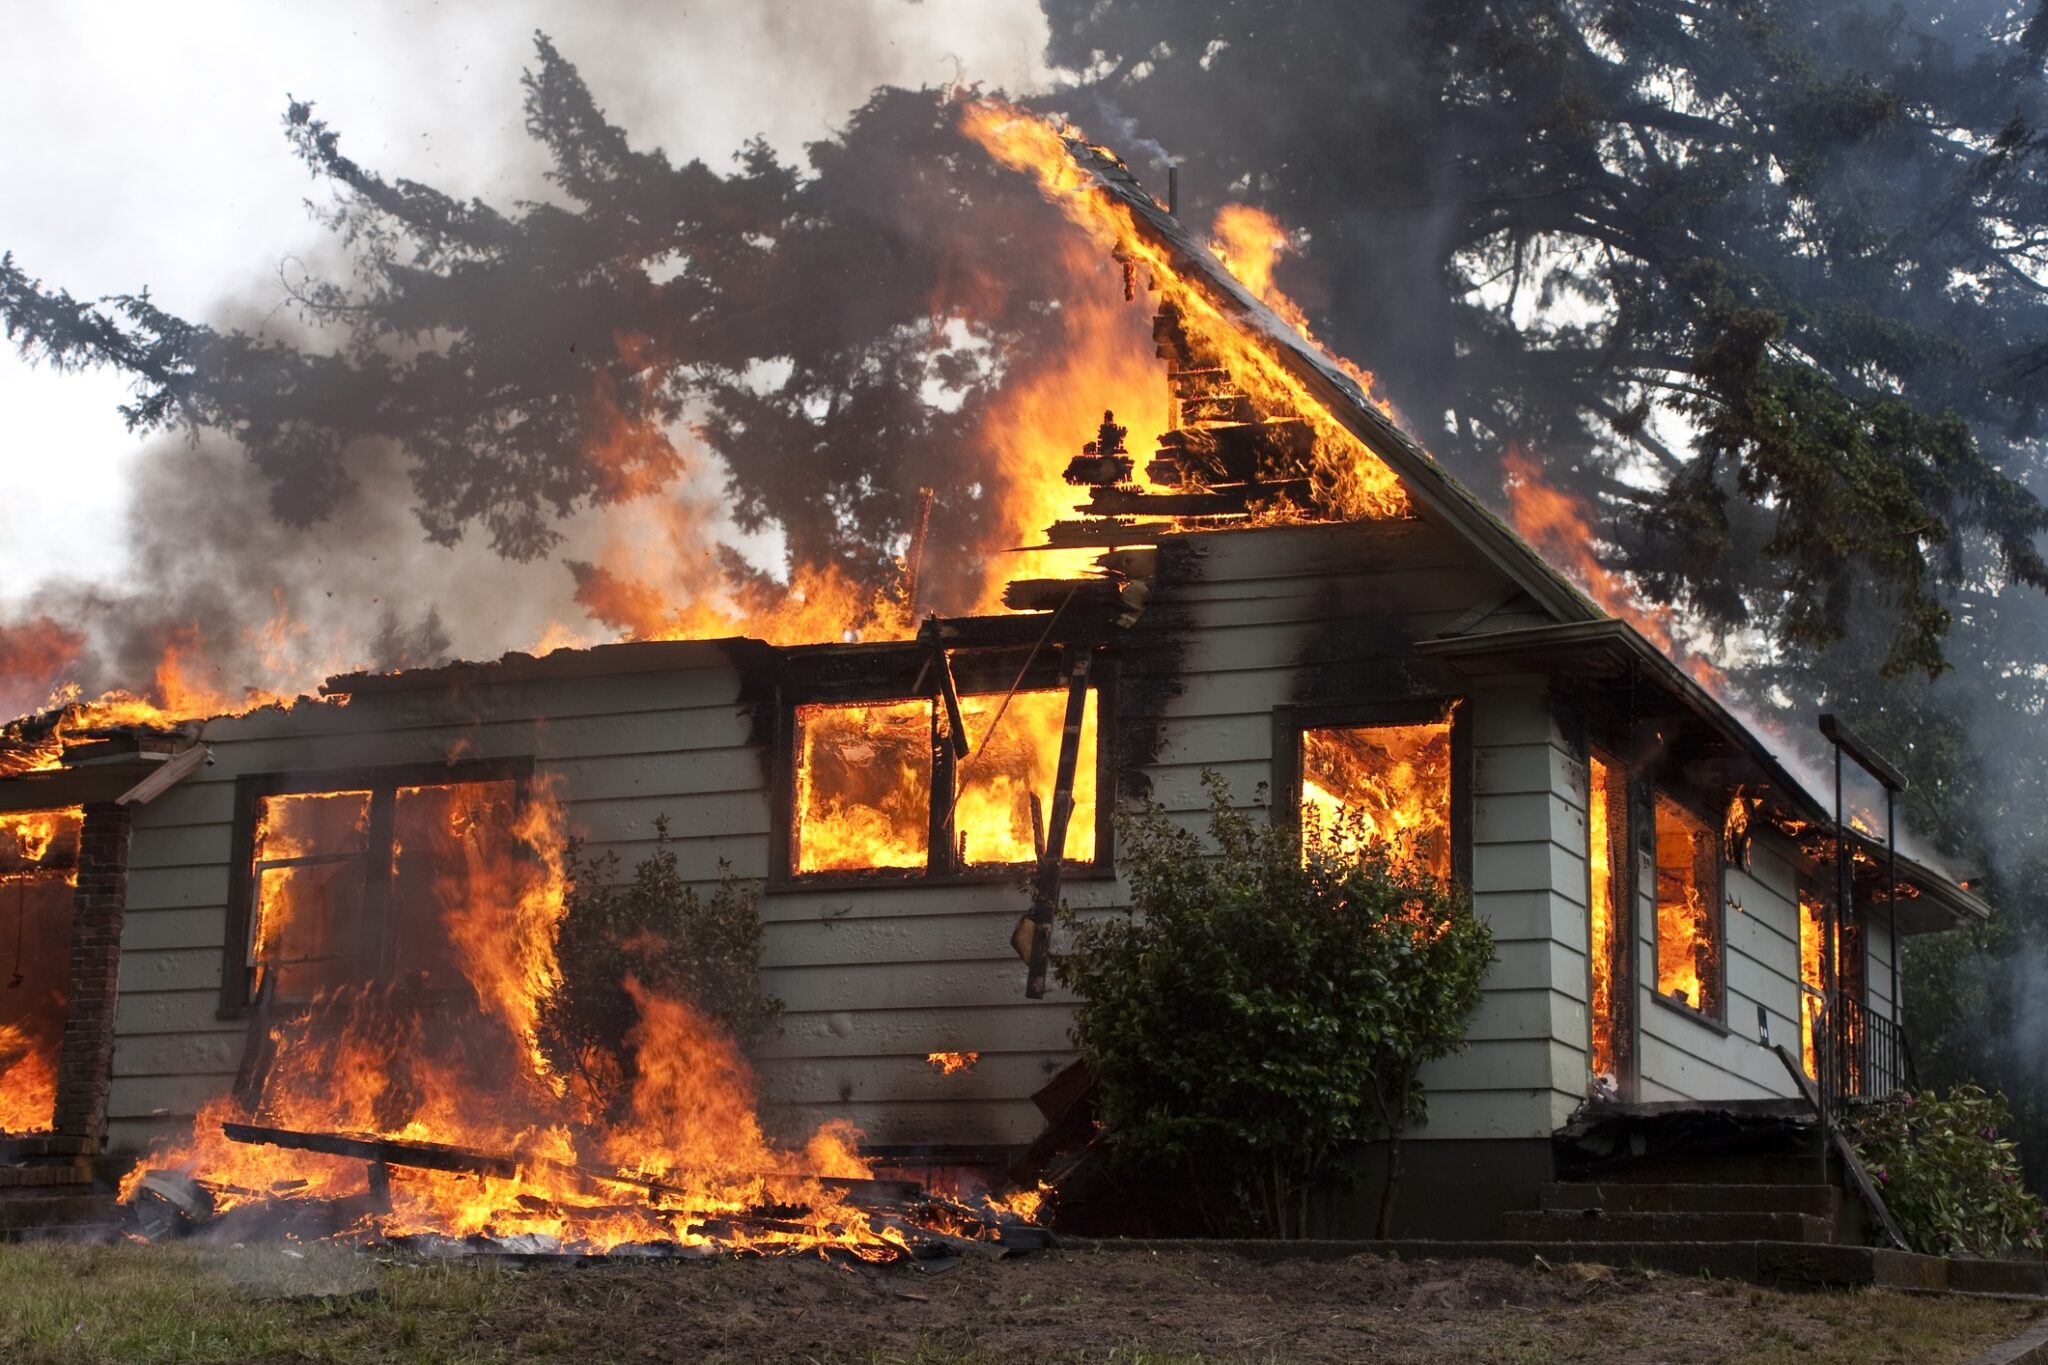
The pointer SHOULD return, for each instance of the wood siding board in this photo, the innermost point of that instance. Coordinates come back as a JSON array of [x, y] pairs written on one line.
[[141, 1011], [899, 985], [178, 1054], [150, 930], [162, 1097], [171, 969]]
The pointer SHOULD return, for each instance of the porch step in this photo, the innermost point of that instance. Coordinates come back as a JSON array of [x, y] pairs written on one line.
[[1818, 1201], [72, 1171], [1715, 1168], [1597, 1225], [37, 1148], [26, 1214]]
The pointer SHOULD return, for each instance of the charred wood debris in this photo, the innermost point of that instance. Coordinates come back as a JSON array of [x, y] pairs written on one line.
[[906, 1224]]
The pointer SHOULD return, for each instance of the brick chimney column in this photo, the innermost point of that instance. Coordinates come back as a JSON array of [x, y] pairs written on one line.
[[99, 906]]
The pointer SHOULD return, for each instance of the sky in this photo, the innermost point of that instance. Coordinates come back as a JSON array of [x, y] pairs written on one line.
[[142, 146]]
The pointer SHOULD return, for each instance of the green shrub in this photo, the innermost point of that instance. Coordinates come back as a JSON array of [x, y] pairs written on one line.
[[1948, 1177], [1254, 1014], [656, 930]]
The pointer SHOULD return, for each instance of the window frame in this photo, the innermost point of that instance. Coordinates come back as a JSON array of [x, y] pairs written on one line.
[[1290, 722], [977, 672], [383, 783], [1687, 802]]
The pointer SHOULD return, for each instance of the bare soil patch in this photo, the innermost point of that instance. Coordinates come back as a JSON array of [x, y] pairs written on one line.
[[183, 1304]]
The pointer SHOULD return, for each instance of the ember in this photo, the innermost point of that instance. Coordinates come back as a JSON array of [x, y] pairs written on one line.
[[38, 869]]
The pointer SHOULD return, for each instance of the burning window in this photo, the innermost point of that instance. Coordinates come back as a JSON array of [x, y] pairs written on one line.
[[1607, 906], [1813, 920], [867, 800], [38, 871], [864, 784], [1006, 785], [1380, 784], [362, 884], [1688, 896]]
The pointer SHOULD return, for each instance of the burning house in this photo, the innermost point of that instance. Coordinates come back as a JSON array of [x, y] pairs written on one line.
[[335, 918]]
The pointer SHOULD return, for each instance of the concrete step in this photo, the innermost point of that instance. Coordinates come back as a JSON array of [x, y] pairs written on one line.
[[1594, 1225], [1819, 1201], [72, 1171], [24, 1211], [1707, 1168]]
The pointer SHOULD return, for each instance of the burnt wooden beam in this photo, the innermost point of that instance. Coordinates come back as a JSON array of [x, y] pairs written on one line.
[[1045, 889], [441, 1156], [1049, 594], [1105, 532]]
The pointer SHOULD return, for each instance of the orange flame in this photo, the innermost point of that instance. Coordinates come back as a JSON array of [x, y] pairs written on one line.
[[864, 796], [1380, 784], [1600, 822], [38, 871], [1685, 910], [951, 1063], [1560, 526], [402, 1060], [1348, 480]]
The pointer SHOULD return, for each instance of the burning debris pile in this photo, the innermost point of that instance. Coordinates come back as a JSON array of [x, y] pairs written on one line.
[[414, 1101]]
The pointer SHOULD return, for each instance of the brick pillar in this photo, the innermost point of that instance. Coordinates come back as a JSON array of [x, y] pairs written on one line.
[[98, 909]]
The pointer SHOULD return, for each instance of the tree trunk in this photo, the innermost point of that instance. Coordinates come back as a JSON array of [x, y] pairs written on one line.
[[1386, 1222]]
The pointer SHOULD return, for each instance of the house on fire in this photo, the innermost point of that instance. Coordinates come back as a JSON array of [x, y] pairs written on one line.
[[1658, 884]]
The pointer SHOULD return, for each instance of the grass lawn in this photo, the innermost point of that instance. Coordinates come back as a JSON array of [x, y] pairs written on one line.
[[319, 1303]]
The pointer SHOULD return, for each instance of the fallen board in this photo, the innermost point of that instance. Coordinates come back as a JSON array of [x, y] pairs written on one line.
[[438, 1156]]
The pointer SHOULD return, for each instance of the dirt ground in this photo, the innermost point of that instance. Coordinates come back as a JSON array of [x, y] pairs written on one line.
[[180, 1304]]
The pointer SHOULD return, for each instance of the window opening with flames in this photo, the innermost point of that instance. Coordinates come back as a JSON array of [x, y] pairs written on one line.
[[1849, 976], [38, 877], [866, 799], [355, 886], [1688, 899], [1380, 784], [1607, 835]]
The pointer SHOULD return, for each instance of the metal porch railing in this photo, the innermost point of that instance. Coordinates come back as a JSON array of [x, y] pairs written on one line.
[[1861, 1055]]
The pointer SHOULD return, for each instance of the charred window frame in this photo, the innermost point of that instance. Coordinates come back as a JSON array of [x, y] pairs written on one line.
[[379, 918], [1290, 723], [979, 673], [1707, 870]]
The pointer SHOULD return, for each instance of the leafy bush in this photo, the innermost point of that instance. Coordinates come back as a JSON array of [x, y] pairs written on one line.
[[1946, 1174], [1255, 1013], [655, 930]]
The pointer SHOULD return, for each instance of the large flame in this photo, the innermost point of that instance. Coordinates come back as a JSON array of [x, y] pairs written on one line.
[[402, 1058], [1601, 821], [1349, 481], [38, 874]]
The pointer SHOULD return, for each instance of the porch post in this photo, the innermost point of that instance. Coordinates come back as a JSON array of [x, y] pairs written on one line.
[[99, 906]]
